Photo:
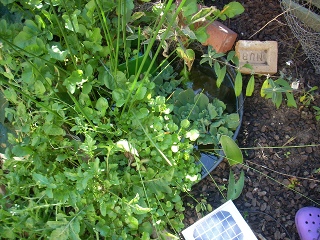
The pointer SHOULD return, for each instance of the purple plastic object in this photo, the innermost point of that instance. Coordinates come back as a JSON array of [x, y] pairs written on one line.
[[308, 223]]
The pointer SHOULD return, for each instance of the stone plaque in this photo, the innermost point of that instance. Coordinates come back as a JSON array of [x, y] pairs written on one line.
[[262, 56]]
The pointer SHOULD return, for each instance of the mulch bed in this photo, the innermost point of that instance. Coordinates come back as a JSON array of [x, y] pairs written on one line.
[[279, 179]]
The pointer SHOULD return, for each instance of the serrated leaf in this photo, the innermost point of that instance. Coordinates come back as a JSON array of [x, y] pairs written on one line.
[[238, 84], [235, 188], [250, 86], [231, 150]]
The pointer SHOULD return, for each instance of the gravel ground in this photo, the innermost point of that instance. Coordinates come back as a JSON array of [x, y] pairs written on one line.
[[279, 179]]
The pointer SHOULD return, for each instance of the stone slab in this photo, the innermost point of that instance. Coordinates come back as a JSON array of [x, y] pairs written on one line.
[[221, 38], [261, 55]]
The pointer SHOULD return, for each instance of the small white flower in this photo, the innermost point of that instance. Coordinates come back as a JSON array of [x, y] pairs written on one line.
[[289, 62]]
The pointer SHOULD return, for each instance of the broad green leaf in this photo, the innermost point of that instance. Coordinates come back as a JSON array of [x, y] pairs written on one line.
[[185, 123], [238, 84], [56, 53], [265, 86], [217, 69], [42, 180], [235, 188], [221, 76], [103, 208], [71, 21], [53, 130], [73, 80], [201, 100], [20, 151], [61, 233], [141, 92], [232, 120], [231, 150], [202, 35], [190, 7], [102, 105], [232, 9], [86, 88], [291, 102], [75, 229], [277, 98], [230, 55], [107, 79], [250, 86], [132, 222], [39, 88], [142, 113]]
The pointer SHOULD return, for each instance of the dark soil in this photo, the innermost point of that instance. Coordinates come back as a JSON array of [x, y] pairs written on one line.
[[280, 179]]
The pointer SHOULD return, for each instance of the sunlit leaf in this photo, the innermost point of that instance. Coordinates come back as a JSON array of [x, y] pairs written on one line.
[[265, 86], [231, 150], [250, 86], [235, 188], [232, 9], [238, 84]]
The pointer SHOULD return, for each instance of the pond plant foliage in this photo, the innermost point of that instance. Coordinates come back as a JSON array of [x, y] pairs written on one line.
[[100, 147]]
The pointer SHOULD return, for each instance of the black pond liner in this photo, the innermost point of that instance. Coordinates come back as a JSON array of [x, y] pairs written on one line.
[[234, 104]]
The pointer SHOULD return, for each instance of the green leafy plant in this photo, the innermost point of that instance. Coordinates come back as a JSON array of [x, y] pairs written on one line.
[[98, 151], [274, 90], [207, 119], [234, 156]]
